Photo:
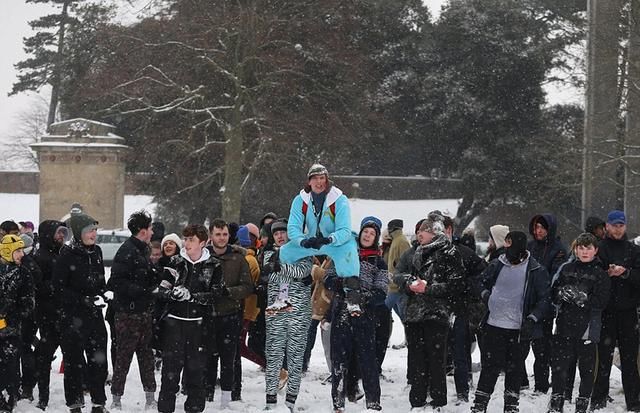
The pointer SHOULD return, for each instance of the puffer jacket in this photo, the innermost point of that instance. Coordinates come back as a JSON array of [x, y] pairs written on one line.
[[16, 298], [439, 263]]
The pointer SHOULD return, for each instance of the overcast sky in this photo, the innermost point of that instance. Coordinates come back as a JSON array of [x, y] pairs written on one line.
[[14, 27]]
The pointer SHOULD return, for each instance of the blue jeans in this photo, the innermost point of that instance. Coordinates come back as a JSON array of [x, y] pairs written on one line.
[[397, 302], [461, 355]]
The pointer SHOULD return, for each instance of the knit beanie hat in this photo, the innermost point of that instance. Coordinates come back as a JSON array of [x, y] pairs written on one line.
[[395, 224], [372, 222], [81, 223], [498, 233], [243, 236], [173, 238], [278, 225], [433, 223], [9, 244], [253, 230], [593, 223], [28, 243], [317, 169]]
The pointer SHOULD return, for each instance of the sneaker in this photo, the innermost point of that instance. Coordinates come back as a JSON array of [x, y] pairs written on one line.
[[99, 409], [279, 306], [374, 406]]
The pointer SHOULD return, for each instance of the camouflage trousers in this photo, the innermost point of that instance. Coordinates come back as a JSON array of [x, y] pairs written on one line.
[[133, 335]]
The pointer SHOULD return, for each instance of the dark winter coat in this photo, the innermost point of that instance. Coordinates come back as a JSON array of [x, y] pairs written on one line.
[[374, 281], [439, 263], [405, 262], [133, 278], [46, 256], [573, 320], [16, 298], [468, 301], [625, 289], [537, 294], [203, 279], [550, 252], [78, 276], [237, 280]]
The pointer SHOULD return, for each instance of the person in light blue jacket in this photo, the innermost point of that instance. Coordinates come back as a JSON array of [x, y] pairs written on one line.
[[320, 224]]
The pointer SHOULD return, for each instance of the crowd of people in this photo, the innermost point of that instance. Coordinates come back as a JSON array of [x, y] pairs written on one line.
[[192, 305]]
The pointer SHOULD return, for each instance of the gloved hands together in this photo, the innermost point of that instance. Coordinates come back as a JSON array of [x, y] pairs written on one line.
[[572, 294], [180, 293], [315, 242]]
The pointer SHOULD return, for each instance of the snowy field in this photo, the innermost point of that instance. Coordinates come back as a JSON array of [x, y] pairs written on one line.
[[315, 397]]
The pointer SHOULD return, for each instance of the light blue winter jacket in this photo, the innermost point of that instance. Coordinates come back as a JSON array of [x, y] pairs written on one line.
[[343, 248]]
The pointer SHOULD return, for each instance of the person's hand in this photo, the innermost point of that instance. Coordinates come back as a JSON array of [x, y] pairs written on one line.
[[616, 270], [527, 326], [108, 296], [180, 293], [418, 286], [310, 243], [567, 293], [323, 241]]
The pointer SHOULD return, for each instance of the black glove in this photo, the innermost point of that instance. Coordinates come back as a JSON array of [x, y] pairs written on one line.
[[527, 326], [323, 241], [572, 294], [310, 243]]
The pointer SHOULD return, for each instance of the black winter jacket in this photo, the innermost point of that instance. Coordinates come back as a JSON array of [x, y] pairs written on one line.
[[46, 256], [625, 289], [133, 278], [550, 252], [439, 263], [473, 267], [537, 295], [203, 279], [572, 320], [78, 276], [16, 298]]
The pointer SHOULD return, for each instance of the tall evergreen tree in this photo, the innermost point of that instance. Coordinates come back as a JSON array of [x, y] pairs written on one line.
[[61, 48]]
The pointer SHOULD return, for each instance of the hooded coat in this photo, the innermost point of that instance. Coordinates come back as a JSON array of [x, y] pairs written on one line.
[[46, 256], [550, 252]]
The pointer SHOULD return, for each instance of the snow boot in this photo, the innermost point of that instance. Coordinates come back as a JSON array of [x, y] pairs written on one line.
[[374, 406], [98, 408], [556, 403], [290, 402], [582, 404]]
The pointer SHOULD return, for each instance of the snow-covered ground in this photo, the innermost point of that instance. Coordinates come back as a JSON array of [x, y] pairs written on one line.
[[315, 397]]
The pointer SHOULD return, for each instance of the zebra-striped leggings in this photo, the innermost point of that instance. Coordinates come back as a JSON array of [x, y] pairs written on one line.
[[286, 332]]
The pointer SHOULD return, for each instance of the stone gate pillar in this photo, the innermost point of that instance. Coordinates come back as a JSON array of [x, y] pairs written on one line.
[[82, 161]]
